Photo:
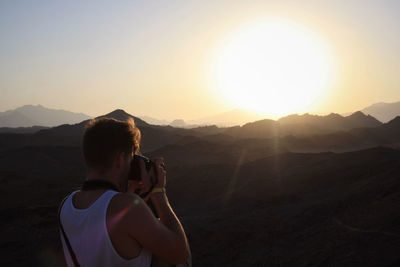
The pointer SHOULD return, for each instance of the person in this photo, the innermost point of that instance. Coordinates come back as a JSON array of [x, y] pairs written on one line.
[[105, 223]]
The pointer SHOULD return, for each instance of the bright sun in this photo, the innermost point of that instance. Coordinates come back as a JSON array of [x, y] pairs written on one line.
[[273, 66]]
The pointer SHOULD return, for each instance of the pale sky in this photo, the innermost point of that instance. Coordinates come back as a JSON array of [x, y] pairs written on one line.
[[153, 57]]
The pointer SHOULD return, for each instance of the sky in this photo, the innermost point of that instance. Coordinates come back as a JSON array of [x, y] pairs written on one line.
[[156, 58]]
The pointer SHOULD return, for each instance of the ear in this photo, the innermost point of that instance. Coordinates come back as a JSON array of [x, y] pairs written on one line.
[[119, 160]]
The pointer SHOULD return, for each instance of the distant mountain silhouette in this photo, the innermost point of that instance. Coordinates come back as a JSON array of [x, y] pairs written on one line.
[[237, 117], [304, 133], [333, 121], [259, 129], [154, 121], [120, 114], [387, 134], [16, 119], [383, 111], [302, 125], [153, 136], [178, 123], [225, 119], [229, 118], [78, 128], [30, 115]]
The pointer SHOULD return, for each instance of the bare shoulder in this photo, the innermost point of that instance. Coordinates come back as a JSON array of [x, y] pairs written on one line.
[[128, 209], [127, 202], [125, 199]]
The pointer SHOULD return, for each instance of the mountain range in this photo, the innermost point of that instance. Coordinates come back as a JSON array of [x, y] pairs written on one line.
[[383, 112], [304, 190], [31, 115], [306, 133]]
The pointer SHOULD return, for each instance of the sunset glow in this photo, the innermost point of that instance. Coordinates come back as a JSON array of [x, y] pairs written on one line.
[[194, 60], [272, 66]]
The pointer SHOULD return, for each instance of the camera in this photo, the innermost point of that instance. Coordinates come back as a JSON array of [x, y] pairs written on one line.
[[135, 168]]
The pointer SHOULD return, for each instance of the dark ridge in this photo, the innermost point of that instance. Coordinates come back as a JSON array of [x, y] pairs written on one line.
[[395, 121], [27, 130], [120, 114]]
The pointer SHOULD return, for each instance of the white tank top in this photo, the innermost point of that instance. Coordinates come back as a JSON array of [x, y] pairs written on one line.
[[87, 232]]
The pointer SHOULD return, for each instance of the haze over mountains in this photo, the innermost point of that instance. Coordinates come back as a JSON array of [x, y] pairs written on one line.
[[229, 118], [383, 111], [224, 119], [31, 115], [296, 132]]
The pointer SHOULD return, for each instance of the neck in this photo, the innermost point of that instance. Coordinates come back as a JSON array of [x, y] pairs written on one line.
[[90, 185], [110, 177], [107, 177]]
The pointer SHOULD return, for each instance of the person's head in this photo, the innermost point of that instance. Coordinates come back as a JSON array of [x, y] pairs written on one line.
[[108, 145]]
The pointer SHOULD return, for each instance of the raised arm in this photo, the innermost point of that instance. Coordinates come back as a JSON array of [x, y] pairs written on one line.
[[164, 237]]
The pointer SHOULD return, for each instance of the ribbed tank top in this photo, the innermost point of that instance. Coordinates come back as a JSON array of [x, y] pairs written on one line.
[[87, 232]]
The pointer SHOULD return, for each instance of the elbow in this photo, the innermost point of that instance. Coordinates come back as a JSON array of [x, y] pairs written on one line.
[[186, 255], [183, 256]]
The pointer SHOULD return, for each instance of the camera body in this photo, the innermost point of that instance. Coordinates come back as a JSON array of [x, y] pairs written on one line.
[[134, 173]]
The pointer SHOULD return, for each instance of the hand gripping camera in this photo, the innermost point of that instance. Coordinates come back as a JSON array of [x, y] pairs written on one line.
[[135, 176], [135, 168]]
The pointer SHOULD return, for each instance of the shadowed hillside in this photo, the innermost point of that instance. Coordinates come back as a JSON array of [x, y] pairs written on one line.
[[294, 210]]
